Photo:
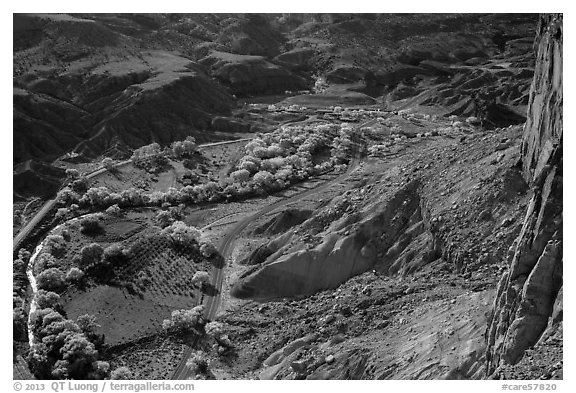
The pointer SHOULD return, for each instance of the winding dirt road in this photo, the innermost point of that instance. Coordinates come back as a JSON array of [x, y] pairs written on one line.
[[226, 247]]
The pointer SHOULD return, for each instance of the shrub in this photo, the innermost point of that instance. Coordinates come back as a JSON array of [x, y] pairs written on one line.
[[122, 372]]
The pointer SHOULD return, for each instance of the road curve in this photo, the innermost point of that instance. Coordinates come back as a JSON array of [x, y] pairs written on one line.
[[226, 247]]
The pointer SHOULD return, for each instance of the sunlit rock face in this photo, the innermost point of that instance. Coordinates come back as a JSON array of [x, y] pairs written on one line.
[[528, 291]]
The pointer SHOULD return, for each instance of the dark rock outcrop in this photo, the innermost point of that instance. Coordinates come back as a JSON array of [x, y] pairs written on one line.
[[527, 292]]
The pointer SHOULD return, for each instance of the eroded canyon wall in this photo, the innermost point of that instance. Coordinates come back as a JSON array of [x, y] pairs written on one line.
[[527, 292]]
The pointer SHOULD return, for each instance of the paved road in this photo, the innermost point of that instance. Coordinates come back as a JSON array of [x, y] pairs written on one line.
[[226, 247], [25, 231], [48, 205]]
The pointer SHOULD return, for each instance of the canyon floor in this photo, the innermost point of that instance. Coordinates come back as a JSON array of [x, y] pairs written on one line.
[[390, 264]]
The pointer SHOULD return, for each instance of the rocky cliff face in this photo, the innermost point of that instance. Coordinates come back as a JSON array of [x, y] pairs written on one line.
[[524, 307]]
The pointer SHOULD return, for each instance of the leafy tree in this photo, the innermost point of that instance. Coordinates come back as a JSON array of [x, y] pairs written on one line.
[[100, 370], [163, 218], [189, 178], [150, 156], [36, 318], [201, 279], [108, 163], [132, 197], [250, 165], [47, 299], [98, 196], [207, 249], [197, 362], [241, 176], [45, 261], [19, 324], [52, 318], [185, 321], [181, 233], [184, 148], [55, 244], [264, 179], [91, 254], [114, 210], [38, 360], [72, 173], [67, 196], [51, 279], [114, 253], [88, 326], [74, 275], [24, 254], [90, 225], [146, 151], [214, 328], [80, 355], [80, 185]]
